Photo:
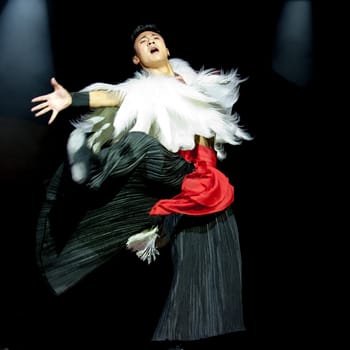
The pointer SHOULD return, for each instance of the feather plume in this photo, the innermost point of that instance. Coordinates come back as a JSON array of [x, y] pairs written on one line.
[[144, 244]]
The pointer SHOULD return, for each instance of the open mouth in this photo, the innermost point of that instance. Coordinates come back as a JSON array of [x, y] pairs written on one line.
[[154, 49]]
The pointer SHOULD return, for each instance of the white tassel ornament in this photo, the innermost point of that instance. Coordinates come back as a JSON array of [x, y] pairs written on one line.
[[144, 244]]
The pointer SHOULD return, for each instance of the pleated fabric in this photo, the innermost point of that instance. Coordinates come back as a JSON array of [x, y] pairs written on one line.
[[82, 226], [205, 297]]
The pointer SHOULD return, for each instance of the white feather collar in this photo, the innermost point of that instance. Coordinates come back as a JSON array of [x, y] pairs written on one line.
[[174, 112]]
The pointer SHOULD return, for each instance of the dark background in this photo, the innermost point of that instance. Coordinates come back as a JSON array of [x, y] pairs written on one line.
[[272, 175]]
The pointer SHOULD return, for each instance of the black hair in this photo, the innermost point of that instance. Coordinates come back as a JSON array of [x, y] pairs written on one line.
[[143, 28]]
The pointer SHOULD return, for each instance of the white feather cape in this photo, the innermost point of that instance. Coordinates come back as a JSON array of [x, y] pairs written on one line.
[[174, 112]]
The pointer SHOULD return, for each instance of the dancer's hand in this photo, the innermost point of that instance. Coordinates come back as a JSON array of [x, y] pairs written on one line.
[[55, 101]]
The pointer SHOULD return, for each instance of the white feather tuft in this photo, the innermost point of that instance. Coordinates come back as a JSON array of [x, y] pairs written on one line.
[[144, 244]]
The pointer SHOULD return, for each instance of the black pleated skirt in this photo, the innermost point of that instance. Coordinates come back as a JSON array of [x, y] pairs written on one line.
[[82, 226], [205, 298]]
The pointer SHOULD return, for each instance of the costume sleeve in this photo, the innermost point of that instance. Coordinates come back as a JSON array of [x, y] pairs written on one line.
[[204, 191]]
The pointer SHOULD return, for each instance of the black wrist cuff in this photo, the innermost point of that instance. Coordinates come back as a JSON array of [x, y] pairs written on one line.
[[80, 99]]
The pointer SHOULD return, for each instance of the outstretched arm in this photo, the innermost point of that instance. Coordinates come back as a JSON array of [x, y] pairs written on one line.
[[60, 99]]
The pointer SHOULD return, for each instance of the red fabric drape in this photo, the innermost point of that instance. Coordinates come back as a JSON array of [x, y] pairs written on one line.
[[204, 191]]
